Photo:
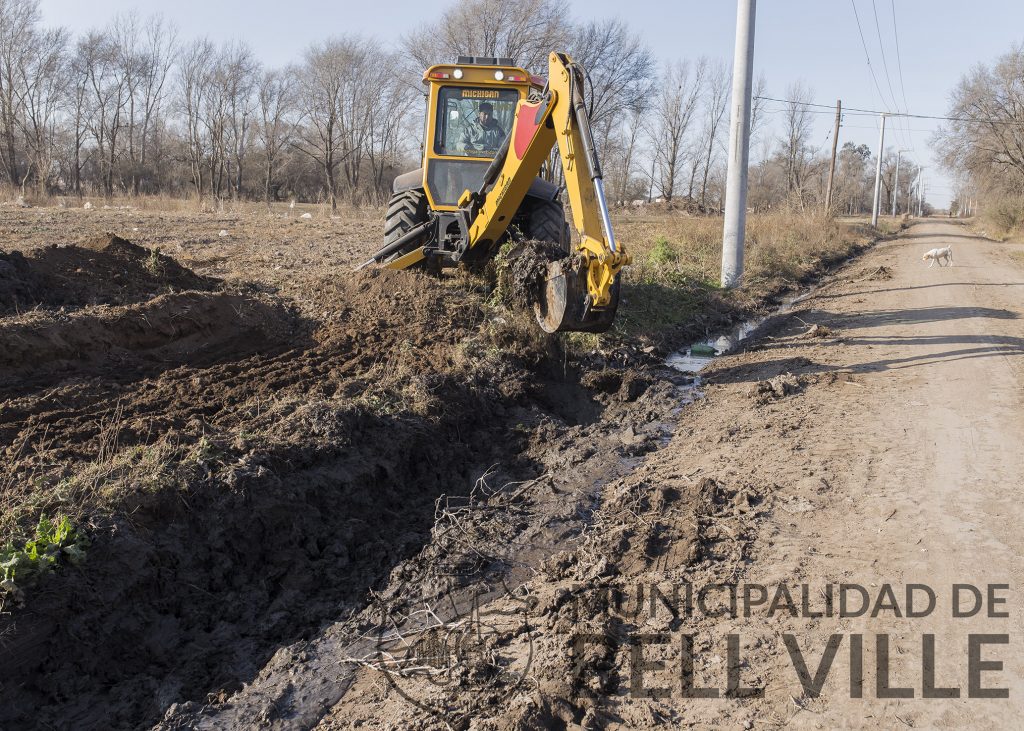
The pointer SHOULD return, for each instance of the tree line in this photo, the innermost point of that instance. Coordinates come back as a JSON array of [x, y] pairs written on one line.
[[982, 142], [133, 109]]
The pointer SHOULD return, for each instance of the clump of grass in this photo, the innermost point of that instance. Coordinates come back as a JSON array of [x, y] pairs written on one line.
[[154, 264], [52, 543], [674, 276]]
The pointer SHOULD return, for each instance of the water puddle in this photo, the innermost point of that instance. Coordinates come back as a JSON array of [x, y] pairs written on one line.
[[696, 357]]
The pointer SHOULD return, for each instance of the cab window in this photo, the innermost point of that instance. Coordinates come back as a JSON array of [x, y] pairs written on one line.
[[473, 121]]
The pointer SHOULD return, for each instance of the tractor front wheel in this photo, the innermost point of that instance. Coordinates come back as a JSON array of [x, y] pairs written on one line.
[[405, 211]]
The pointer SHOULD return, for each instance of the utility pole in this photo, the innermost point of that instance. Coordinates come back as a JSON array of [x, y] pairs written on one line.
[[739, 145], [921, 192], [896, 183], [878, 175], [832, 165]]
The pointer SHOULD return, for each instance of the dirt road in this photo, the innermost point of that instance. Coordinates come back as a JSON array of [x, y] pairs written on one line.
[[900, 462], [920, 442]]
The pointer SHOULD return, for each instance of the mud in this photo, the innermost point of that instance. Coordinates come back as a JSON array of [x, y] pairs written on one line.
[[302, 494], [248, 473], [522, 272], [102, 270]]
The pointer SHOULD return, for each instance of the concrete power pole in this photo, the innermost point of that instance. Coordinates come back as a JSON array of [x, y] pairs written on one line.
[[896, 183], [739, 145], [878, 175], [832, 165], [921, 192]]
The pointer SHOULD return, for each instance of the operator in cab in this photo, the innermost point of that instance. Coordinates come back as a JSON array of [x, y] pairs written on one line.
[[484, 132]]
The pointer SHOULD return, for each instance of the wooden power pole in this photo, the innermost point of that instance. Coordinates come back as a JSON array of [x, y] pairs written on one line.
[[832, 165]]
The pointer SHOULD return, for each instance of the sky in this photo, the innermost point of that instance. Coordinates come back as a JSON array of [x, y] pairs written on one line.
[[816, 41]]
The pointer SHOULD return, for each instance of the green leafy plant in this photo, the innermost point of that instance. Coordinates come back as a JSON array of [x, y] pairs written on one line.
[[52, 543], [663, 253]]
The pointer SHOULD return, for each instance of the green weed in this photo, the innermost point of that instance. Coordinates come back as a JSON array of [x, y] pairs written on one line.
[[52, 543], [662, 253], [154, 264]]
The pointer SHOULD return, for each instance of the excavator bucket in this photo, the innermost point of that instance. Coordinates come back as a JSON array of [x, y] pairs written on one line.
[[564, 303]]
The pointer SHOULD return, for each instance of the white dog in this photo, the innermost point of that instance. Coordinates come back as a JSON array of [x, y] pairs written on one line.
[[939, 254]]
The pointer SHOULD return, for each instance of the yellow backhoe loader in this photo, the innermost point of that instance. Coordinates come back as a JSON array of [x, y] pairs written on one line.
[[490, 128]]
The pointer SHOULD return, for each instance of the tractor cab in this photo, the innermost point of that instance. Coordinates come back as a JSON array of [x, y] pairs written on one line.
[[471, 106]]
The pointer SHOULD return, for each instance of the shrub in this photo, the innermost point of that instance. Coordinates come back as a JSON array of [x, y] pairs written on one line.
[[1004, 215]]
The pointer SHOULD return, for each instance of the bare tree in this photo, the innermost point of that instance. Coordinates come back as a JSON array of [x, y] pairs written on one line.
[[716, 101], [325, 102], [108, 81], [757, 107], [75, 153], [239, 75], [277, 98], [623, 152], [41, 95], [797, 123], [620, 70], [985, 138], [390, 112], [670, 121], [194, 80], [157, 57], [18, 19], [526, 31]]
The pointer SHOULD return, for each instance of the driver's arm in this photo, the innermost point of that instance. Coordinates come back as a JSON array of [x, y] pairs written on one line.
[[466, 139]]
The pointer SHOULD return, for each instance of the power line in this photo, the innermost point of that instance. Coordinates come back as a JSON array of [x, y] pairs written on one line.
[[874, 112], [861, 126], [885, 64], [899, 123], [899, 69], [899, 62], [867, 55]]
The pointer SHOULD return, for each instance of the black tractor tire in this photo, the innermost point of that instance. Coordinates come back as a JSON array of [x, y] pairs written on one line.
[[545, 221], [405, 210]]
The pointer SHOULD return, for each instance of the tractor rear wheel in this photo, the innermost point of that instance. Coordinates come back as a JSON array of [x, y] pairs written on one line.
[[545, 221], [405, 210]]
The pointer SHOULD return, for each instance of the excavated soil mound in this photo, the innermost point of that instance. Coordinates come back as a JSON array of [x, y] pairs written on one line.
[[126, 342], [103, 270]]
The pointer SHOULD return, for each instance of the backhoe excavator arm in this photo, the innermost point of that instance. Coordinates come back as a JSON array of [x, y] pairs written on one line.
[[558, 117]]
